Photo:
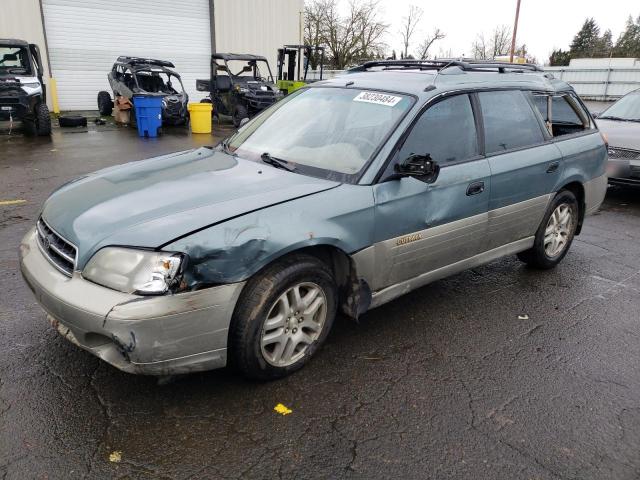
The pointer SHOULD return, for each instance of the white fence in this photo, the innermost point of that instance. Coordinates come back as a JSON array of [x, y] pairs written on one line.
[[326, 74], [607, 83]]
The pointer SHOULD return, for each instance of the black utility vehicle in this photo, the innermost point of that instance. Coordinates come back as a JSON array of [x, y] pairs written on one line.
[[133, 75], [22, 91], [240, 86]]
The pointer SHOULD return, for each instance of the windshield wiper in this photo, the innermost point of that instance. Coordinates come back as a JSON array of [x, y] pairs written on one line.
[[277, 162], [608, 117]]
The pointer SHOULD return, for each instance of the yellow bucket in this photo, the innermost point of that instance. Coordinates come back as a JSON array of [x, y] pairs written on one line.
[[200, 114]]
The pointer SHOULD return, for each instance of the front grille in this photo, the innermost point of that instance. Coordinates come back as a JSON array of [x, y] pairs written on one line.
[[262, 93], [60, 252], [9, 100], [623, 153]]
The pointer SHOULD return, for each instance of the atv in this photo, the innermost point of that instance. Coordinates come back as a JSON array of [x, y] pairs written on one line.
[[237, 87], [132, 75], [23, 96]]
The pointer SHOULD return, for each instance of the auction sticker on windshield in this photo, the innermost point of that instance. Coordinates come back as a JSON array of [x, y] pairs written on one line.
[[377, 98]]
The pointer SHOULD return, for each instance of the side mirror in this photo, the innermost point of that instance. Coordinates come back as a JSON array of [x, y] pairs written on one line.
[[595, 114], [422, 167]]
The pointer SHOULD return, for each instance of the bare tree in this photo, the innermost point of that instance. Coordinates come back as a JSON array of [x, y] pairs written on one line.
[[347, 38], [500, 41], [313, 28], [423, 49], [409, 24], [498, 44], [479, 48]]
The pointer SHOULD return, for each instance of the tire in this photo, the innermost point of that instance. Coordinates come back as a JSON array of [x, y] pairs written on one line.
[[43, 120], [547, 252], [105, 104], [251, 351], [239, 113], [73, 121], [39, 123]]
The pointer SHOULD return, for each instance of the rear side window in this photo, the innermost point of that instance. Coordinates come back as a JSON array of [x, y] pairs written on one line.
[[446, 131], [509, 121], [565, 116]]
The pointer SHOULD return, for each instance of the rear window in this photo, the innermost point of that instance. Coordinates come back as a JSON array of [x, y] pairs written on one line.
[[563, 117], [509, 121]]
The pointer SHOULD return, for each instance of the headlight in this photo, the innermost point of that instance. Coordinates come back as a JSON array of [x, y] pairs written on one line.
[[241, 89], [30, 84], [136, 271]]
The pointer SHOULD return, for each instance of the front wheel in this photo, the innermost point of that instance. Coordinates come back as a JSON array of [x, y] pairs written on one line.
[[555, 233], [282, 317], [239, 114]]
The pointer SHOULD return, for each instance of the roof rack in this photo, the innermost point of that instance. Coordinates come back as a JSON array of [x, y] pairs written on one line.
[[440, 64], [144, 61]]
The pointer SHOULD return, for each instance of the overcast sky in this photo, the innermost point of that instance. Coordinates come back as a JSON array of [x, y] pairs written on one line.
[[544, 24]]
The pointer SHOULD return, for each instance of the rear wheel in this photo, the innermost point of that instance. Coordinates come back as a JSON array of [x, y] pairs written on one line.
[[239, 113], [105, 104], [282, 317], [555, 233]]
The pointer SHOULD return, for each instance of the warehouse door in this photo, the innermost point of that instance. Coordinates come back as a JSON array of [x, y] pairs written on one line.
[[86, 36]]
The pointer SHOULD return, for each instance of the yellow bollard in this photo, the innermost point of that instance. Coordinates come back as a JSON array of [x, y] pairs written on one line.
[[53, 90], [200, 114]]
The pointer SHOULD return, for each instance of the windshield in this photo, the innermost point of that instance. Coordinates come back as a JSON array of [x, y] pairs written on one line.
[[159, 82], [331, 129], [14, 60], [627, 108], [249, 69]]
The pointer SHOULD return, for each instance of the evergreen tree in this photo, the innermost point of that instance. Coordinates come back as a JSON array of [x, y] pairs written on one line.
[[628, 44], [559, 58], [586, 41], [605, 45]]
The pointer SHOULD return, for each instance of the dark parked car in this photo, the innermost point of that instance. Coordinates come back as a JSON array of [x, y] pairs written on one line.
[[621, 123], [23, 96], [133, 75], [344, 195]]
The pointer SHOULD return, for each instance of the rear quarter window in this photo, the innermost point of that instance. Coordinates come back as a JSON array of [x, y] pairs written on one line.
[[509, 121]]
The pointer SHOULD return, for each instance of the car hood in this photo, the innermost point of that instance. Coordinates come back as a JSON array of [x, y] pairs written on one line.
[[621, 134], [149, 203]]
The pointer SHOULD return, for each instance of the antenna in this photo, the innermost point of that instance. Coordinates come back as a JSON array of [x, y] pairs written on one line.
[[433, 83]]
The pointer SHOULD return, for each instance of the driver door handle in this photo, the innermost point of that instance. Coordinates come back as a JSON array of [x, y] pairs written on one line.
[[475, 188]]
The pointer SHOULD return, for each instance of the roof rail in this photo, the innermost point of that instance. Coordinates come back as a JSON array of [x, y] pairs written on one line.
[[442, 63]]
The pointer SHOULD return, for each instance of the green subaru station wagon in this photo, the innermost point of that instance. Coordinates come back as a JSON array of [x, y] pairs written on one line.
[[342, 196]]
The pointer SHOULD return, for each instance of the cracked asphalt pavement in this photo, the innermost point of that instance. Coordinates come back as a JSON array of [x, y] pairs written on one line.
[[500, 372]]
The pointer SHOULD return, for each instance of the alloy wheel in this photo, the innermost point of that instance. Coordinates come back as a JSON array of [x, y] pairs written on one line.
[[294, 322]]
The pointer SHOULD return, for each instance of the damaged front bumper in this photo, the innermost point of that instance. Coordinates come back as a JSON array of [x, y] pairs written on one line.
[[151, 335]]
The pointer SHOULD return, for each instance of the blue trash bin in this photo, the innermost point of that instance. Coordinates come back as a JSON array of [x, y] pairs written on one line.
[[148, 110]]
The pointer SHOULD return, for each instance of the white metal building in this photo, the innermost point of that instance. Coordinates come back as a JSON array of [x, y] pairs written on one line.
[[84, 37]]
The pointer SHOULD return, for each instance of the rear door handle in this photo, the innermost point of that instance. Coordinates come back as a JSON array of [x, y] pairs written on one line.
[[475, 188], [553, 167]]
